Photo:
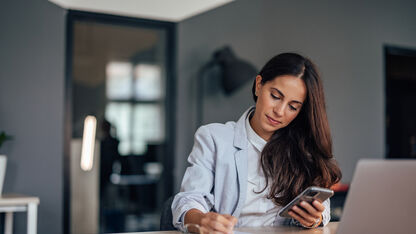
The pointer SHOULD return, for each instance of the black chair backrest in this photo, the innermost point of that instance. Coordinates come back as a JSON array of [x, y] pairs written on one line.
[[166, 216]]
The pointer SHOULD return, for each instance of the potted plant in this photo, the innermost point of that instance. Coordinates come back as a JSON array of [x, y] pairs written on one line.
[[3, 159]]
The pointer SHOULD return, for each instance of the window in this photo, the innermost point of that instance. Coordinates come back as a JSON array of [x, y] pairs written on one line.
[[135, 105]]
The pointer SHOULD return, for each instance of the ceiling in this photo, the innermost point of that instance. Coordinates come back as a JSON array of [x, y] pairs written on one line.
[[164, 10], [95, 45]]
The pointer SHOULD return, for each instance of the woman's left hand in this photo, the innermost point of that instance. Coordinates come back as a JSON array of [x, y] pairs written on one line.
[[307, 214]]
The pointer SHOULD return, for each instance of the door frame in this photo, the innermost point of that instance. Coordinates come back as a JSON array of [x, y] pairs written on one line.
[[392, 50], [170, 99]]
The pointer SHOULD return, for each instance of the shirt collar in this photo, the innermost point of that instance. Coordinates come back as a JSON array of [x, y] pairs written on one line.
[[252, 136]]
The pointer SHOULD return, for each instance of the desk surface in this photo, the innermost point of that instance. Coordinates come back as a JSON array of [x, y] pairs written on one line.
[[331, 228], [17, 199]]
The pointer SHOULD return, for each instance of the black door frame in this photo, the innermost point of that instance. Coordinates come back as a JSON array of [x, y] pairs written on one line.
[[170, 28], [392, 50]]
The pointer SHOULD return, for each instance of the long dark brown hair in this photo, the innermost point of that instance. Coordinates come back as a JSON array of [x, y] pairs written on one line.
[[300, 154]]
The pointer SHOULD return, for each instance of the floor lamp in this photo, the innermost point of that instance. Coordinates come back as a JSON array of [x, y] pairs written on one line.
[[234, 73]]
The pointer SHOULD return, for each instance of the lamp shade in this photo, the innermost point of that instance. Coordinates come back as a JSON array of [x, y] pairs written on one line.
[[235, 72]]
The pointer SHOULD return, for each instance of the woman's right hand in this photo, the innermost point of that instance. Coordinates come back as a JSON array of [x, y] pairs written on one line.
[[210, 222]]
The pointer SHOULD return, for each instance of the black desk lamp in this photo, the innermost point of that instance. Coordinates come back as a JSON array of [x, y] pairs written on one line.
[[234, 71]]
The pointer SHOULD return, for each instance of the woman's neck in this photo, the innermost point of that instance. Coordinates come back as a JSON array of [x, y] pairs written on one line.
[[255, 125]]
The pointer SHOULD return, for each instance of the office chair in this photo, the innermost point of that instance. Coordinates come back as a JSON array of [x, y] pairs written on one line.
[[166, 216]]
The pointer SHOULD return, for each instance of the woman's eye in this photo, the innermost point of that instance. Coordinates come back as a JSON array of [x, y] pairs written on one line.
[[275, 97], [292, 108]]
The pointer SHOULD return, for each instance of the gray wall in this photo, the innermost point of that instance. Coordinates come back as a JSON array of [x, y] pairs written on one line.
[[32, 55], [344, 38]]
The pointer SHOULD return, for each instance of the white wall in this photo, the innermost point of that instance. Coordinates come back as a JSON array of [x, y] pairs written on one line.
[[344, 38]]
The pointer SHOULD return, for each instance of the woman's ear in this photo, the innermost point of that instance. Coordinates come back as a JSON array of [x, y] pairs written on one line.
[[258, 84]]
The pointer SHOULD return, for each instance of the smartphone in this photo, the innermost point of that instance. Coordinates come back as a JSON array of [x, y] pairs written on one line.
[[308, 195]]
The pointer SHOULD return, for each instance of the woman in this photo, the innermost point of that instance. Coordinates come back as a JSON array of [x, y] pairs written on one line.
[[251, 168]]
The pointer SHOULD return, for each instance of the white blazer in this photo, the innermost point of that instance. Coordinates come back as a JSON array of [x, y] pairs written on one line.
[[216, 180]]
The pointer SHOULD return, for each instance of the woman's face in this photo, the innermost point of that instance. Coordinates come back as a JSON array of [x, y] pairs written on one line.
[[279, 101]]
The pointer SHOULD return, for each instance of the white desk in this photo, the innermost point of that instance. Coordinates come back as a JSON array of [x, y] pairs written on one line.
[[10, 203], [331, 228]]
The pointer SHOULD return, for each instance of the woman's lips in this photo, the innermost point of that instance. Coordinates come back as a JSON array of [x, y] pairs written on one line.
[[273, 121]]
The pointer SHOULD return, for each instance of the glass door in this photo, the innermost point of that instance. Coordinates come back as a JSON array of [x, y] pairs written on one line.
[[120, 77]]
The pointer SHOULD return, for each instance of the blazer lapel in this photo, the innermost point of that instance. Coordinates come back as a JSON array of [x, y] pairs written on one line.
[[240, 157], [241, 165]]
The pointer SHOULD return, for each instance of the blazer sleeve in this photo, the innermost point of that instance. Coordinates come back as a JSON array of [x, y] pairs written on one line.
[[326, 215], [198, 181]]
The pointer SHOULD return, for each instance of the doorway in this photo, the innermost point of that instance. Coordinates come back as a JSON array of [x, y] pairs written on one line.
[[120, 80], [400, 83]]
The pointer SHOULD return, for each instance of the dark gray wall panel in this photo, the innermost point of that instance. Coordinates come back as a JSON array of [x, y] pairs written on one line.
[[32, 55]]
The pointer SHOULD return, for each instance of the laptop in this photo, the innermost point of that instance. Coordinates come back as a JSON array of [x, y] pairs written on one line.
[[381, 198]]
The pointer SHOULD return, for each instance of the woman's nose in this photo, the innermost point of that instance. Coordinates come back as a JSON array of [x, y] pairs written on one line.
[[279, 109]]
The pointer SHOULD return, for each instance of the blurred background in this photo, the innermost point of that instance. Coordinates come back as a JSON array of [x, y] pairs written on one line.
[[149, 73]]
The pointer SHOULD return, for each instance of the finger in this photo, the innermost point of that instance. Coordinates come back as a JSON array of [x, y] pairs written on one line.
[[318, 205], [219, 227], [310, 209], [300, 219], [208, 228], [209, 225], [211, 216], [203, 230], [226, 221], [306, 216], [217, 222], [231, 218], [222, 219]]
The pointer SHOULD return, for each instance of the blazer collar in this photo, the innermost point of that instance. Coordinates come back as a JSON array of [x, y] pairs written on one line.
[[240, 134]]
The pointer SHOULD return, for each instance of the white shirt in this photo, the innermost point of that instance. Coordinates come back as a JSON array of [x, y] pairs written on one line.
[[257, 210]]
